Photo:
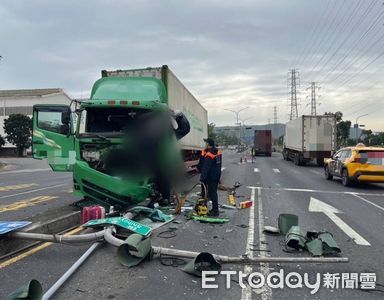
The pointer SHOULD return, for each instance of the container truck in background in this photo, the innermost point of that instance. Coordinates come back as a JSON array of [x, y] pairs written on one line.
[[310, 138], [122, 144], [262, 142]]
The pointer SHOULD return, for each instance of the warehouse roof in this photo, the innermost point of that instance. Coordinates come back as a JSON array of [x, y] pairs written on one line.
[[30, 93]]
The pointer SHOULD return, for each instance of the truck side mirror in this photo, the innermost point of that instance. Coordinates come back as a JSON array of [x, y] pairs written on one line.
[[66, 117], [65, 129]]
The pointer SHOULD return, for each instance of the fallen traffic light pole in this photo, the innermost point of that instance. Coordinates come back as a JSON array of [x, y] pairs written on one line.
[[157, 251]]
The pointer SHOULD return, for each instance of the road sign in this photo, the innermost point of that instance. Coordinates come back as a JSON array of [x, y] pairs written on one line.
[[121, 222], [6, 227]]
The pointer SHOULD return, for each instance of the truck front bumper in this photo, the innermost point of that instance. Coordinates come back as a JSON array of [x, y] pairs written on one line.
[[107, 189]]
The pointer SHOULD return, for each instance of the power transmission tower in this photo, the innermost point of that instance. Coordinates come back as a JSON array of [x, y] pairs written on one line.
[[293, 82], [275, 115], [314, 97]]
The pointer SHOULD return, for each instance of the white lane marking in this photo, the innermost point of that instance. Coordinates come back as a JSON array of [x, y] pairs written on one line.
[[276, 170], [316, 191], [25, 171], [365, 200], [32, 191], [256, 170], [297, 190], [223, 168], [246, 293], [330, 211], [264, 267]]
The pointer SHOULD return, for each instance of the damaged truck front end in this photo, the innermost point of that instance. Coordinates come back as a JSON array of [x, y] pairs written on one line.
[[112, 143]]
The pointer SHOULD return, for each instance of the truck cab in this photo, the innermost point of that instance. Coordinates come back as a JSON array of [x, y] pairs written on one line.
[[111, 141]]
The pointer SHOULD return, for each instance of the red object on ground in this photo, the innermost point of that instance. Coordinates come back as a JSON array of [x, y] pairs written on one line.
[[245, 204], [92, 213]]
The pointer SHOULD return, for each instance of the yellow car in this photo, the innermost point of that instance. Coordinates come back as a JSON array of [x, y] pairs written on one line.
[[356, 164]]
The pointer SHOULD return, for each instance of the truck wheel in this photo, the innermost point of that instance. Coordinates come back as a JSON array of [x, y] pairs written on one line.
[[320, 162], [345, 179], [328, 175], [296, 160], [285, 155]]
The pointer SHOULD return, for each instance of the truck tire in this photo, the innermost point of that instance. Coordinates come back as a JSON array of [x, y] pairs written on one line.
[[296, 159], [285, 155], [345, 179], [327, 174], [320, 162]]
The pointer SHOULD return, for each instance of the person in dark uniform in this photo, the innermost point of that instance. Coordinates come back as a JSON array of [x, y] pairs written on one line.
[[210, 168]]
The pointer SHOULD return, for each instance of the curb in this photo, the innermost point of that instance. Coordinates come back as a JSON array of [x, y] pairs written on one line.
[[59, 224]]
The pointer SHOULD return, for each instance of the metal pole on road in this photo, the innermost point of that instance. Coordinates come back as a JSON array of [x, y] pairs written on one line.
[[237, 119], [228, 259], [53, 289]]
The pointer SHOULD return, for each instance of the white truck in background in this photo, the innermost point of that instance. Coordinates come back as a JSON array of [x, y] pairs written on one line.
[[310, 138]]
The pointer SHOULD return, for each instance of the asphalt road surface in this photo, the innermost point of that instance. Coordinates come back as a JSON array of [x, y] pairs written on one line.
[[355, 217]]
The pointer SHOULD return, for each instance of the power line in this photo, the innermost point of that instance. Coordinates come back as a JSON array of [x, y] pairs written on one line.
[[357, 59], [312, 35], [352, 29], [322, 34], [326, 15], [361, 70], [352, 47], [324, 39], [339, 27]]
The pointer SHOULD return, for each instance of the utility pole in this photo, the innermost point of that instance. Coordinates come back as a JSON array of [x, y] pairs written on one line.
[[314, 103], [356, 125], [236, 112], [275, 115], [293, 82], [274, 120]]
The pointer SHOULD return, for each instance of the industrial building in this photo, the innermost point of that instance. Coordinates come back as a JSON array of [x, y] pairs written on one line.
[[21, 102]]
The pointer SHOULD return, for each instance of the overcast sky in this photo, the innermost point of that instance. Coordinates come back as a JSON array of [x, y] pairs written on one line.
[[230, 54]]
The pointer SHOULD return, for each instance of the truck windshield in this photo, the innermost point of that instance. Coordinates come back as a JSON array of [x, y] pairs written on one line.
[[107, 121]]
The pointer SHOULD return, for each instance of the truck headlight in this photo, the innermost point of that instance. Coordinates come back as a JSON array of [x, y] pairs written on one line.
[[91, 156]]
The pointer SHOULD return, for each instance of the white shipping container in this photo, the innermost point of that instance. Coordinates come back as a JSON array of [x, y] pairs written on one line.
[[311, 134], [179, 98]]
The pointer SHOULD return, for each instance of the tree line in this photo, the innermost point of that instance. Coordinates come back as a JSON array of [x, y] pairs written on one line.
[[18, 130]]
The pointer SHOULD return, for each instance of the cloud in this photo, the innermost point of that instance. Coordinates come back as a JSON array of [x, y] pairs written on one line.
[[229, 54]]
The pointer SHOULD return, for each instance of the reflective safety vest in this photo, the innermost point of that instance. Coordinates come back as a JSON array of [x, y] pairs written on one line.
[[211, 166], [211, 155]]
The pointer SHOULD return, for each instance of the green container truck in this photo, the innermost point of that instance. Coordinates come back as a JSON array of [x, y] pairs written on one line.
[[91, 137]]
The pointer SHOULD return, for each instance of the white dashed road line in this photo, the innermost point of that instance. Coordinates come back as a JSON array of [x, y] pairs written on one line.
[[256, 170], [246, 293], [276, 170]]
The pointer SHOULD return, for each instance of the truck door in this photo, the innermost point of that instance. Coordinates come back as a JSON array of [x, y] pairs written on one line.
[[340, 162], [52, 136], [333, 165]]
